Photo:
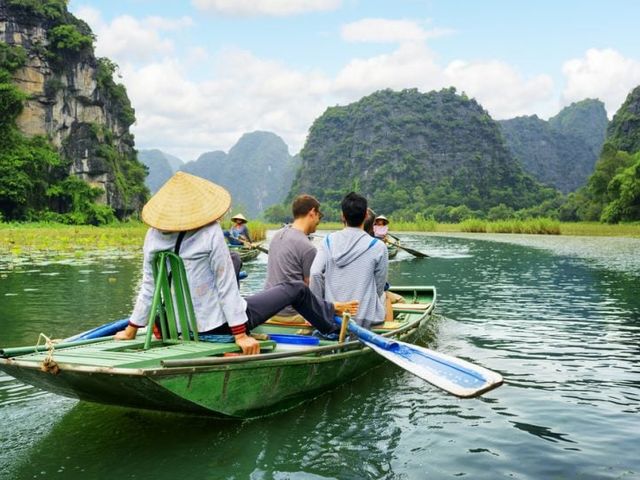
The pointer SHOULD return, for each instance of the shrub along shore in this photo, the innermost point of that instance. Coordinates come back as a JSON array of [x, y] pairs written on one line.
[[17, 238]]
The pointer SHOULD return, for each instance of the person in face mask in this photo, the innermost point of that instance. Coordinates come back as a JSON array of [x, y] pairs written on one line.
[[381, 227]]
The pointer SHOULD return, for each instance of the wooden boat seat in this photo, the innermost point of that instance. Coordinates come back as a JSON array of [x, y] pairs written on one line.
[[410, 307], [171, 303]]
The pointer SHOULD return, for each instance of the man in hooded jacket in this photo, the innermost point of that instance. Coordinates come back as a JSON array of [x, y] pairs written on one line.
[[350, 264]]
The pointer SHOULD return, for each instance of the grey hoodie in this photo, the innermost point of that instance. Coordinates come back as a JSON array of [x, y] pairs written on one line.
[[351, 265]]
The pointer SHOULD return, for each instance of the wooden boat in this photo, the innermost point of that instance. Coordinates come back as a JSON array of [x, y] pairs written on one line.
[[197, 377], [246, 253], [392, 250]]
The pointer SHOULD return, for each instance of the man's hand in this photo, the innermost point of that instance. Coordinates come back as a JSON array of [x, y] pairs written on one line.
[[249, 345], [128, 333]]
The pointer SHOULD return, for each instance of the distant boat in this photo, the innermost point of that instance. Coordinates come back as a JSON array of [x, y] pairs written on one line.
[[247, 253], [199, 377]]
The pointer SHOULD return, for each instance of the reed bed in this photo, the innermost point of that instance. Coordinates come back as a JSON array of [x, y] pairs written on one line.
[[540, 226]]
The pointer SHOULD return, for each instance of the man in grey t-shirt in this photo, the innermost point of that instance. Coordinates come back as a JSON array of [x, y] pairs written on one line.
[[291, 253]]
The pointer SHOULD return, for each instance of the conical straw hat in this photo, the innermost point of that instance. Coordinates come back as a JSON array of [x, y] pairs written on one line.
[[186, 202], [239, 216]]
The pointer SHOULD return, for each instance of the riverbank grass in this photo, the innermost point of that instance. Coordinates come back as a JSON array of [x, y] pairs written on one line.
[[18, 238]]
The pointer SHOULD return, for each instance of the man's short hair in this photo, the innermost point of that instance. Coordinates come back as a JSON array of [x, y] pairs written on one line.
[[303, 204], [354, 209]]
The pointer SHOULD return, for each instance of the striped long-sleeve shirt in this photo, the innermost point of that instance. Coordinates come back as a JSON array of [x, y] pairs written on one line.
[[351, 265]]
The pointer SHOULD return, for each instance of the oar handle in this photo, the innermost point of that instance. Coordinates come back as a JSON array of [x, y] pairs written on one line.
[[346, 317], [367, 335]]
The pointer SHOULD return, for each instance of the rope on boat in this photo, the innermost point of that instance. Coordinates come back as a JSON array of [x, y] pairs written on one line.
[[48, 364]]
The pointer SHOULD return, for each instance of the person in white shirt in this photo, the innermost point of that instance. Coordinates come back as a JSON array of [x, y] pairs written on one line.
[[192, 205]]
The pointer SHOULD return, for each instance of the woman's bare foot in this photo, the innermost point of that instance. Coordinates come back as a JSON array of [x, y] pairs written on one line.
[[350, 307]]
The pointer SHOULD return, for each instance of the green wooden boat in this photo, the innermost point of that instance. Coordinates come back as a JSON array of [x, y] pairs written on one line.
[[246, 253], [196, 377], [184, 373]]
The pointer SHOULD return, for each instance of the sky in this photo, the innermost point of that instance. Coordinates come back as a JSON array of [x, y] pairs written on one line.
[[200, 73]]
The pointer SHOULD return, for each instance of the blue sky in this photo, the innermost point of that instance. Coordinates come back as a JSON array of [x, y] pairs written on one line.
[[202, 72]]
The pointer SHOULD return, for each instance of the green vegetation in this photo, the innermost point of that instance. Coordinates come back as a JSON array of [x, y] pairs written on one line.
[[19, 238], [544, 226], [612, 193], [115, 92]]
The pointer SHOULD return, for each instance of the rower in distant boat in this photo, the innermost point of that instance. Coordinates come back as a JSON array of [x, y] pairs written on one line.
[[238, 234], [381, 227]]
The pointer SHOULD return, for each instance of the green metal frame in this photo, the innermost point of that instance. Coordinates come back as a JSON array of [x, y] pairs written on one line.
[[171, 301]]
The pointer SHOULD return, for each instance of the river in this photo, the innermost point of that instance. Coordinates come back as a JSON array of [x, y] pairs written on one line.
[[558, 317]]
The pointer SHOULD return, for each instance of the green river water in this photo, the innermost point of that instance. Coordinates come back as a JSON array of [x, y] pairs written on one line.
[[558, 317]]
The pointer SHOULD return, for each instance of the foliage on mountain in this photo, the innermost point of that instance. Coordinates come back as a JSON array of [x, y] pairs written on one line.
[[92, 163], [612, 193], [257, 171], [434, 154], [586, 120], [624, 131], [563, 151]]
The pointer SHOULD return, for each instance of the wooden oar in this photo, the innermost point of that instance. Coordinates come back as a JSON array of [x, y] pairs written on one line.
[[413, 252], [257, 246], [451, 374]]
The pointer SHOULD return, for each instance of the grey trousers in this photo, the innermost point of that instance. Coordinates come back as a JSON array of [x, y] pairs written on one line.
[[264, 305]]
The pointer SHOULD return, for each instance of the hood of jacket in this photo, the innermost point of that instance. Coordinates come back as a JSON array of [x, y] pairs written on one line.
[[348, 244]]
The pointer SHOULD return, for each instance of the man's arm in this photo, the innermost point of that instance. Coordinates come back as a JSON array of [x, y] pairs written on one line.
[[316, 273], [308, 256]]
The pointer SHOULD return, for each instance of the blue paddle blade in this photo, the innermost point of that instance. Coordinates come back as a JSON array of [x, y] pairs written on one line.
[[454, 375], [451, 374]]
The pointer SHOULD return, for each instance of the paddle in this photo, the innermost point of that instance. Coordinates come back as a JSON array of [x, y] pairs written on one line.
[[451, 374], [413, 252], [257, 246]]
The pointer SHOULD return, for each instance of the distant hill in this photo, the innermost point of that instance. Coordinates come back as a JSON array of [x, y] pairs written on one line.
[[161, 167], [413, 152], [561, 152], [257, 171]]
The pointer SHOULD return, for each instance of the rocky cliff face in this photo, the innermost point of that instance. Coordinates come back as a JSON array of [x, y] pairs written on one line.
[[73, 101]]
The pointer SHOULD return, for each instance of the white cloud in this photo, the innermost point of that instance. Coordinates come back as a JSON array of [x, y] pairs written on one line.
[[127, 39], [500, 89], [604, 74], [383, 30], [279, 8]]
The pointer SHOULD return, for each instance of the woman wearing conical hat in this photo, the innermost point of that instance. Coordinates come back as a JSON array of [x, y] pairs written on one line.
[[238, 234], [183, 217]]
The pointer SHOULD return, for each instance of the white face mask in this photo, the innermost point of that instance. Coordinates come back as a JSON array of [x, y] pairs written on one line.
[[380, 230]]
